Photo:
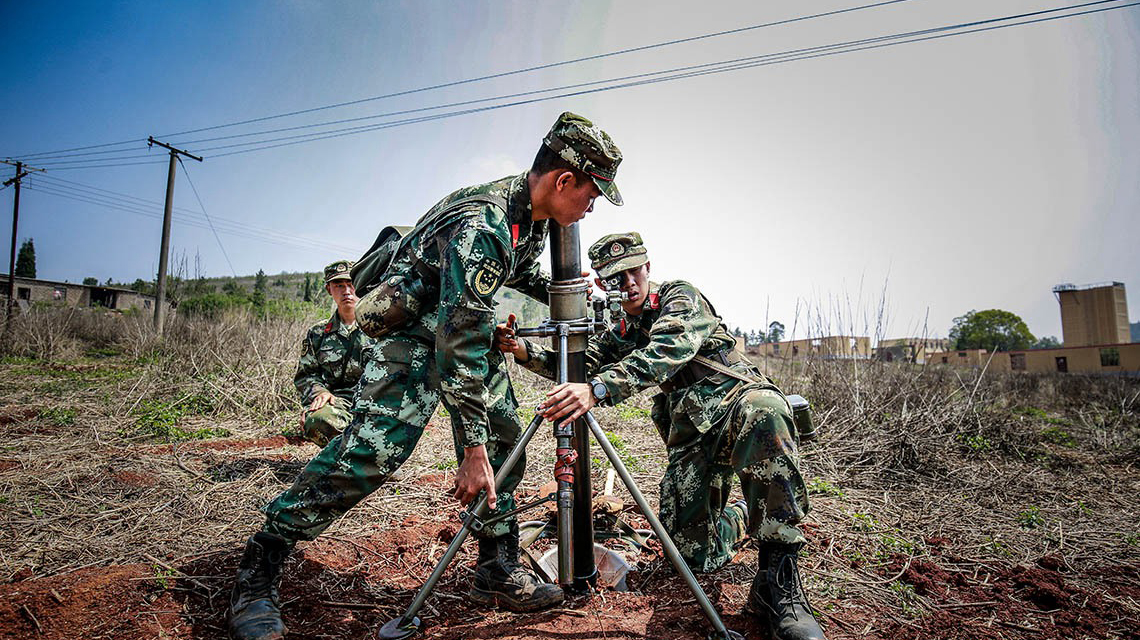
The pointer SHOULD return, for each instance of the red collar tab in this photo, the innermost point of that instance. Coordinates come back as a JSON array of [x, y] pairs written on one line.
[[329, 327], [653, 301], [622, 328], [514, 236]]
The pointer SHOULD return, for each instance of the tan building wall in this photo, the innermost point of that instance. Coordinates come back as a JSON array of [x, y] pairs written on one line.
[[1094, 314], [961, 357], [1109, 358], [825, 347]]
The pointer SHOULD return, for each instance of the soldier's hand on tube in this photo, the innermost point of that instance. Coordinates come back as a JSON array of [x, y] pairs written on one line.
[[475, 475], [507, 342], [324, 396], [568, 401]]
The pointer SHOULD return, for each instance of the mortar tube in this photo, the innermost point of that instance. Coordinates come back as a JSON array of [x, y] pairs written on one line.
[[568, 303]]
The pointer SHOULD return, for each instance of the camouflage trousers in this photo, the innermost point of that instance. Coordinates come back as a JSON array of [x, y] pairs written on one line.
[[326, 423], [396, 396], [753, 440]]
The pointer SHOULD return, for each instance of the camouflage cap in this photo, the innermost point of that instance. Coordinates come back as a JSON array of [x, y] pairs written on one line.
[[338, 270], [582, 144], [616, 253]]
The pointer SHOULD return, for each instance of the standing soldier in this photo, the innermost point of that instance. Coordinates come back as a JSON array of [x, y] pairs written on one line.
[[717, 414], [330, 361], [433, 317]]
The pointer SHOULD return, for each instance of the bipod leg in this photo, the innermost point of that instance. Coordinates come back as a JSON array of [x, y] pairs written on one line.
[[720, 632], [409, 624]]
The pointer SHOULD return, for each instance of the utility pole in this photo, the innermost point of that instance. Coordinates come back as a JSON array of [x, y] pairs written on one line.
[[22, 171], [164, 248]]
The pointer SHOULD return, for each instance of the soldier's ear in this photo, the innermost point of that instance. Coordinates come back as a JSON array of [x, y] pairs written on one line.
[[565, 180]]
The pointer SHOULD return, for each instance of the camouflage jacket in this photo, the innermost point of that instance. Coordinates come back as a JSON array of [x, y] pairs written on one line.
[[330, 360], [675, 324], [474, 250]]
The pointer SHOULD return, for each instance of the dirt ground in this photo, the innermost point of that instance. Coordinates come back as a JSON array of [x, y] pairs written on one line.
[[112, 531]]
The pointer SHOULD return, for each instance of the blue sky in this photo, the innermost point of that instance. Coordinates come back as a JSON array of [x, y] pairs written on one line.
[[963, 173]]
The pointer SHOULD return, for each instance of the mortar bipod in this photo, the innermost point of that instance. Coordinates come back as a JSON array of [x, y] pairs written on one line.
[[409, 624]]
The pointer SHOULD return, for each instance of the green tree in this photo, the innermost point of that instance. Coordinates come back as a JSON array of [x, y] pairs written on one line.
[[775, 331], [91, 280], [232, 288], [26, 260], [260, 282], [308, 289], [992, 330], [1047, 342]]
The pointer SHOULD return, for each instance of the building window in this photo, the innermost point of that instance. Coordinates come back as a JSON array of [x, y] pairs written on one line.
[[961, 354], [59, 293], [1062, 364], [1110, 357], [1017, 361], [24, 293], [795, 350], [945, 360]]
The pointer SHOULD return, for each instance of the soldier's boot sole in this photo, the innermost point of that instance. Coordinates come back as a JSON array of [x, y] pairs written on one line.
[[541, 599]]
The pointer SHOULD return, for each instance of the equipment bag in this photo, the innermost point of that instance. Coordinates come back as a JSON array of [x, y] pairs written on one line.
[[369, 269]]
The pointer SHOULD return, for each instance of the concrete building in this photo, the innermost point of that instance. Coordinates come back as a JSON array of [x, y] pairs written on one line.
[[917, 350], [31, 291], [1095, 314], [961, 357], [827, 348], [1118, 359]]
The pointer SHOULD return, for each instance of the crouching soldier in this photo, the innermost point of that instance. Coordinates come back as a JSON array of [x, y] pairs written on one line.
[[330, 361], [718, 416]]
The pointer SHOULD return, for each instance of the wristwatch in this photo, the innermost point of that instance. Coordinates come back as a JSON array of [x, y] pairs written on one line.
[[599, 390]]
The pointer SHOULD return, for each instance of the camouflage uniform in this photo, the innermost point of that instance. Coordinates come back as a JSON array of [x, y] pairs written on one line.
[[714, 427], [444, 355], [331, 360]]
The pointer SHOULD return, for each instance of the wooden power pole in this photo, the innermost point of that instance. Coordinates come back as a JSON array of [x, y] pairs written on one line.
[[22, 171], [164, 247]]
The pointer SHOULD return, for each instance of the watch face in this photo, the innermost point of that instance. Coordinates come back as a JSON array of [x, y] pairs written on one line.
[[599, 390]]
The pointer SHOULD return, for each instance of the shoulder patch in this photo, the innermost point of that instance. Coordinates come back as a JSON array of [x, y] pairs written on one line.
[[487, 276]]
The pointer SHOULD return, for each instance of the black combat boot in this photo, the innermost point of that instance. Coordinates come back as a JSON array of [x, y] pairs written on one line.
[[501, 580], [255, 612], [777, 595]]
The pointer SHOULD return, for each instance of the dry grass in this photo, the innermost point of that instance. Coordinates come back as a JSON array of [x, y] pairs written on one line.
[[112, 454]]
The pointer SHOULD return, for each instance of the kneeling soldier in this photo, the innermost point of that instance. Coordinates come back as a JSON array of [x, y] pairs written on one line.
[[330, 361], [718, 416]]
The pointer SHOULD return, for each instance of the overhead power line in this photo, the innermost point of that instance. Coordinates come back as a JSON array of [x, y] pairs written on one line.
[[676, 73], [629, 81], [212, 229], [52, 154]]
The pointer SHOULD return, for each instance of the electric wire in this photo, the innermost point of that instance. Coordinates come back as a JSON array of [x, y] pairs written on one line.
[[212, 229], [186, 220], [622, 82], [116, 197], [695, 71], [540, 67]]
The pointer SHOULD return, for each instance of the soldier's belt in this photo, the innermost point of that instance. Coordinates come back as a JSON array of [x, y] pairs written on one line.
[[701, 367]]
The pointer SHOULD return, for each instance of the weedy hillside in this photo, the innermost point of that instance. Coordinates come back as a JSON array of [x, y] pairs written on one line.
[[945, 503]]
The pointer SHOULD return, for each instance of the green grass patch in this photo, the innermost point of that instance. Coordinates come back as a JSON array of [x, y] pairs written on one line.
[[1057, 435], [819, 486], [631, 462], [627, 411], [159, 418], [1030, 518], [975, 442], [59, 416]]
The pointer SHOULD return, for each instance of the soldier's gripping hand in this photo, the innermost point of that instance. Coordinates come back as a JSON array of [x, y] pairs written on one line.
[[475, 475], [323, 397], [507, 342], [570, 401]]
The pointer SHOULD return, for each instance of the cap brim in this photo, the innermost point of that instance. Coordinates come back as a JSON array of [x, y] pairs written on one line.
[[609, 190], [339, 276], [628, 262]]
